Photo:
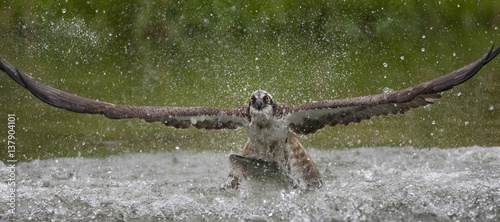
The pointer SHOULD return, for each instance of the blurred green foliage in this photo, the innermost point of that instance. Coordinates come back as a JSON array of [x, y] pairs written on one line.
[[201, 53]]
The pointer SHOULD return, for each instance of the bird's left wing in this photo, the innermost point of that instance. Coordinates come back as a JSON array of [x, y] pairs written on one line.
[[311, 117], [178, 117]]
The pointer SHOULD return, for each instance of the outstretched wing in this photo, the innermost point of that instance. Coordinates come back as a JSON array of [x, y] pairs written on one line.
[[309, 118], [178, 117]]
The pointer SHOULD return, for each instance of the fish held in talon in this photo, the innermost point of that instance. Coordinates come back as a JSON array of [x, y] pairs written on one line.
[[271, 126], [255, 169]]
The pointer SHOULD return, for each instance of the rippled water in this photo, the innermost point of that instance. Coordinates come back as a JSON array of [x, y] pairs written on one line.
[[360, 184]]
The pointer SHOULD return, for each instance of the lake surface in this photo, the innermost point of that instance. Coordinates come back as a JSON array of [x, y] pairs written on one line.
[[379, 183]]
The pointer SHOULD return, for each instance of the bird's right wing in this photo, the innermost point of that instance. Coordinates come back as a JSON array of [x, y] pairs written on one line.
[[178, 117]]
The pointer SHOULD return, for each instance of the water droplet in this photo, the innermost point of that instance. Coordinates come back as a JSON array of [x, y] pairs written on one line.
[[385, 64], [454, 54], [423, 49], [492, 107], [423, 36], [63, 10], [177, 147], [402, 57], [388, 90]]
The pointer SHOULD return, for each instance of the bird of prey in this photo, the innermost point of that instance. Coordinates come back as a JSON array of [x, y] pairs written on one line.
[[271, 126]]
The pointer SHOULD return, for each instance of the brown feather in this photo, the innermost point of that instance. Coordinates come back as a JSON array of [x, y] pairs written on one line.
[[311, 117], [179, 117]]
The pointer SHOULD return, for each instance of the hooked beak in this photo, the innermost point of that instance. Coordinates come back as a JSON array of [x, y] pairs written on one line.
[[259, 104]]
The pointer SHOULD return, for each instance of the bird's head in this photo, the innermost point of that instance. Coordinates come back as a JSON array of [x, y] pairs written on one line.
[[261, 108], [260, 100]]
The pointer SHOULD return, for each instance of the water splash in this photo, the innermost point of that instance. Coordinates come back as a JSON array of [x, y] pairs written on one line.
[[360, 184]]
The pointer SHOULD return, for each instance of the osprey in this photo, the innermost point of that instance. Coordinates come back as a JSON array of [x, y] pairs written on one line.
[[271, 126]]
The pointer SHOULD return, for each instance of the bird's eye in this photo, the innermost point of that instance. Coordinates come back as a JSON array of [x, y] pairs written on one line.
[[267, 98], [252, 99]]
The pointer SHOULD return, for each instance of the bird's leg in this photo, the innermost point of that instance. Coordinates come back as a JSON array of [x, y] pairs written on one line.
[[302, 168], [233, 180], [236, 174]]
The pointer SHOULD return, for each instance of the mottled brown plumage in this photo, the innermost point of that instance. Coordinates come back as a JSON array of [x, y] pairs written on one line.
[[269, 125]]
